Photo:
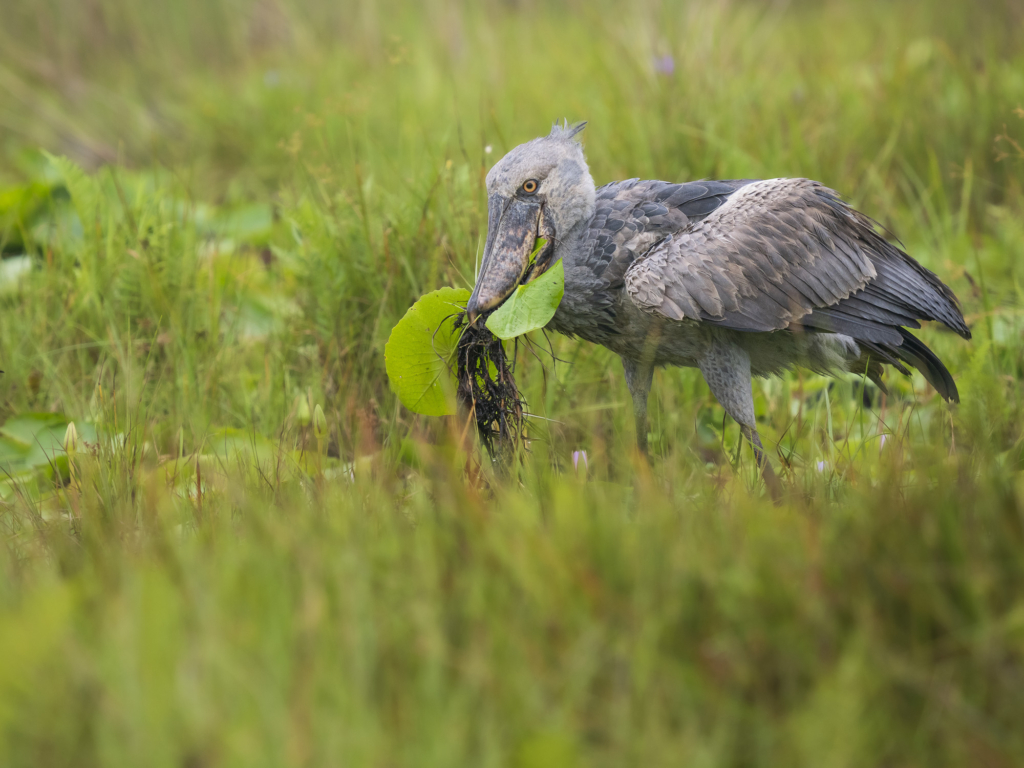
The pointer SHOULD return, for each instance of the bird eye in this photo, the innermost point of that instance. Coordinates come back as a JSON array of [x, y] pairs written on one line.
[[530, 186]]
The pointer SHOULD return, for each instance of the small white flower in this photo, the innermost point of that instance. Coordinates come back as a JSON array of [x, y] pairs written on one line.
[[821, 466], [488, 149], [576, 456]]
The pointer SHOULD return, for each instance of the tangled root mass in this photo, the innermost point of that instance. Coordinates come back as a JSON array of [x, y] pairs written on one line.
[[487, 390]]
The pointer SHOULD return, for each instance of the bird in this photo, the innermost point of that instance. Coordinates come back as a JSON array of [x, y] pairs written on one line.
[[737, 278]]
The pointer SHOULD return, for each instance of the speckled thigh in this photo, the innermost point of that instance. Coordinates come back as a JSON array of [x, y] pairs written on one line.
[[726, 368]]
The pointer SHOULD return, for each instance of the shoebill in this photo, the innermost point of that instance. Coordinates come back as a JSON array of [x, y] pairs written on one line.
[[735, 278]]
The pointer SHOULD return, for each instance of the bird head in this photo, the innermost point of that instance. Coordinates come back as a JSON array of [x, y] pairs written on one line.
[[539, 190]]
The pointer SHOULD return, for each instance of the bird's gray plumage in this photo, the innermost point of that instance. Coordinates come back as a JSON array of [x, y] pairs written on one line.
[[736, 278]]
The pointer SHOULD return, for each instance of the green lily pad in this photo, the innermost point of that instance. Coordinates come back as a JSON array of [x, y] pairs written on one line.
[[249, 223], [531, 306], [421, 350], [26, 481], [12, 454], [35, 439], [25, 426]]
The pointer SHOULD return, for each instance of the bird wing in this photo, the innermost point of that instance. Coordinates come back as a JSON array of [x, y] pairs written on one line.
[[630, 216], [784, 253]]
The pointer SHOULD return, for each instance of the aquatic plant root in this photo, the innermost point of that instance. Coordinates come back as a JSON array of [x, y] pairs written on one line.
[[487, 392]]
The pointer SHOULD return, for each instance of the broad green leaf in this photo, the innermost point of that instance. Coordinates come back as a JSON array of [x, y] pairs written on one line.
[[248, 223], [12, 455], [421, 351], [14, 480], [46, 446], [41, 435], [258, 315], [20, 208], [531, 306], [25, 426]]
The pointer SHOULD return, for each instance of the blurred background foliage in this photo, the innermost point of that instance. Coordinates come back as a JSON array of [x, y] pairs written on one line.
[[211, 215]]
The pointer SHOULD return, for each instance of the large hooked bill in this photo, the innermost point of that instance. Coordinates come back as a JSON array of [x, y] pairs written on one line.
[[519, 248]]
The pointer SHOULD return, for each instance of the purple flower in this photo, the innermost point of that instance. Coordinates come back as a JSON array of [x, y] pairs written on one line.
[[665, 65]]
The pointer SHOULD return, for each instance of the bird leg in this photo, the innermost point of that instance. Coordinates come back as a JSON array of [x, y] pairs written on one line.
[[639, 376], [771, 481], [726, 369]]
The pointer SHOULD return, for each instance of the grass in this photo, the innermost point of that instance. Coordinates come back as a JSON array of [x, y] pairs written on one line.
[[238, 202]]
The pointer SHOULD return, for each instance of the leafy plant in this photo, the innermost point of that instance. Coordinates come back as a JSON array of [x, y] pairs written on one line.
[[421, 351], [223, 582], [531, 306]]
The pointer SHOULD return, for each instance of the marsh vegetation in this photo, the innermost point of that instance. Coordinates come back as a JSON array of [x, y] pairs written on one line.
[[248, 553]]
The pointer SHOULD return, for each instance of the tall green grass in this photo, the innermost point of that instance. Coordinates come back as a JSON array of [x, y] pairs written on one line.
[[234, 203]]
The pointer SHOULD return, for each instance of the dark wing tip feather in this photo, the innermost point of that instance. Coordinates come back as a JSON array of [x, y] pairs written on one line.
[[914, 352], [899, 271]]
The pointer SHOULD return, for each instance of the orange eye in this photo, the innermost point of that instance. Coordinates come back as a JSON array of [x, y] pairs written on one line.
[[530, 186]]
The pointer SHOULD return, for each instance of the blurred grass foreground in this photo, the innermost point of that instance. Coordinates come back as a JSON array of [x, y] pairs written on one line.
[[211, 214]]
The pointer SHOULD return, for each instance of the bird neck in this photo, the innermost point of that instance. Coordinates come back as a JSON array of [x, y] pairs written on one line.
[[572, 231], [580, 311], [571, 219], [569, 247], [572, 197]]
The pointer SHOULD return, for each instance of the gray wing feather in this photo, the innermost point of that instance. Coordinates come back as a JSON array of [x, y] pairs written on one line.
[[784, 253], [630, 217]]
